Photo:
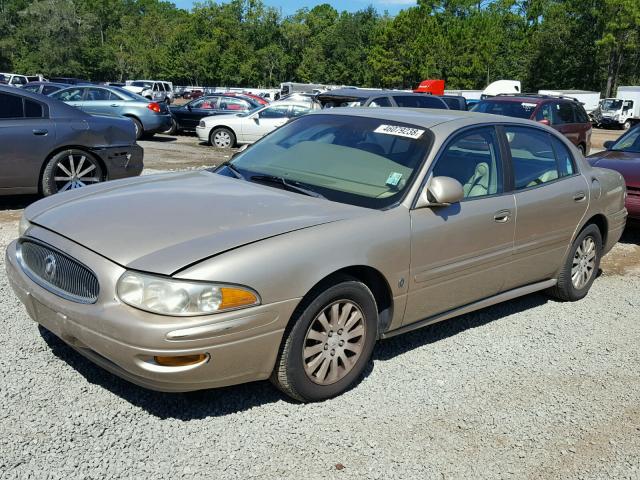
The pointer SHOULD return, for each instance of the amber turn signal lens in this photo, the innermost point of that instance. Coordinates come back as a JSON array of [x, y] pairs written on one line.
[[234, 298], [181, 361]]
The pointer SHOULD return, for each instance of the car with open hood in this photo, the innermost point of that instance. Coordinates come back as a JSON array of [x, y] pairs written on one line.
[[289, 261]]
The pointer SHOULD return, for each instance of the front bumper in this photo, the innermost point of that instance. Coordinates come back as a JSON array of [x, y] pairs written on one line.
[[122, 162], [242, 346], [203, 133]]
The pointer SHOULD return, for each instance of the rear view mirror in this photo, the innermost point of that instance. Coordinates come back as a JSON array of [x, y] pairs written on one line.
[[544, 122], [441, 192], [608, 144]]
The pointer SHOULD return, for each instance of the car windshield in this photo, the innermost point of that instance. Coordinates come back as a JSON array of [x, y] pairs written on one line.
[[611, 104], [361, 161], [507, 108], [629, 142], [142, 84]]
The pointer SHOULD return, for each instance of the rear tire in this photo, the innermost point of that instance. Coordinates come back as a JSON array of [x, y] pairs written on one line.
[[583, 149], [174, 128], [139, 127], [328, 342], [581, 266]]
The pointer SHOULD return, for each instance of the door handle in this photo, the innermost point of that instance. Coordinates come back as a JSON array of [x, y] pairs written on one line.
[[579, 196], [40, 131], [114, 105], [503, 216]]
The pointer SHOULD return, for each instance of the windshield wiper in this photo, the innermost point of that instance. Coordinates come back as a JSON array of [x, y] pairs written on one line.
[[289, 185], [234, 170]]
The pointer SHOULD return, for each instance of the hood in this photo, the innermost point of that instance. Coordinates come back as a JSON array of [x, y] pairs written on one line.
[[626, 163], [216, 119], [163, 223]]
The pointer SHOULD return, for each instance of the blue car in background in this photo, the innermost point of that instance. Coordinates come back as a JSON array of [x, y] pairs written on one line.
[[44, 88], [148, 117]]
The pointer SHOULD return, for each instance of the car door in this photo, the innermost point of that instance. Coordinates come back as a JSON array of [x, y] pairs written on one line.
[[256, 126], [551, 198], [460, 253], [198, 109], [27, 136], [100, 101], [72, 96]]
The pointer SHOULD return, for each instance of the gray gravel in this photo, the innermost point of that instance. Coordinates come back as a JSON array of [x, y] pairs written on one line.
[[529, 389]]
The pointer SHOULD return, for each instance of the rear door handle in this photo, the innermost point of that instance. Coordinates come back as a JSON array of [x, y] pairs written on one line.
[[503, 216], [40, 131], [579, 196]]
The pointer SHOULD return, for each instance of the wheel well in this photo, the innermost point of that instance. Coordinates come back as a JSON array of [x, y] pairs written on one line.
[[373, 279], [599, 221], [128, 115], [62, 149]]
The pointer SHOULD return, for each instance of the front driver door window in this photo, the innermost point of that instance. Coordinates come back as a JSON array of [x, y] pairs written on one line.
[[550, 198], [460, 253]]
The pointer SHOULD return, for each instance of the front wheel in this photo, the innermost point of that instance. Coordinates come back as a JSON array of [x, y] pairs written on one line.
[[581, 267], [222, 138], [69, 170], [626, 125], [329, 343]]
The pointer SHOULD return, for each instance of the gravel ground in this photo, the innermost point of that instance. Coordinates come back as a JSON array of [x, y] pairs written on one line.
[[531, 388]]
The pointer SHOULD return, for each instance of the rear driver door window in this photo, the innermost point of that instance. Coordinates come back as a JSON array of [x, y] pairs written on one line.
[[533, 157]]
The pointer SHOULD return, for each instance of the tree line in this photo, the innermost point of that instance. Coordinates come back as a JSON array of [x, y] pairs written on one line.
[[585, 44]]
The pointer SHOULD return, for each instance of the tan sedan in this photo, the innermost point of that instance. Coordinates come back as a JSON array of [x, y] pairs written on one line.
[[335, 230]]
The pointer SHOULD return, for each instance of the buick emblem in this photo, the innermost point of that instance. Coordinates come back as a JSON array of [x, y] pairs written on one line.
[[50, 267]]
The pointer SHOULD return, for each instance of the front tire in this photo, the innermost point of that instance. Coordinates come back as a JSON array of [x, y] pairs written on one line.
[[581, 266], [329, 343], [222, 138], [627, 125], [68, 170]]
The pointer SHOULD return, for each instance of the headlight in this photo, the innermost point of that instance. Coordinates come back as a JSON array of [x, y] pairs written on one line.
[[202, 124], [167, 296], [23, 225]]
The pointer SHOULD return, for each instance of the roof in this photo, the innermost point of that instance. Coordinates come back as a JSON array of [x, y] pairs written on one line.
[[361, 93], [524, 98], [422, 117], [57, 108]]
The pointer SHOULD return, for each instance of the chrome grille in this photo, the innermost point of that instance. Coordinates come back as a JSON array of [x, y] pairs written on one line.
[[57, 272]]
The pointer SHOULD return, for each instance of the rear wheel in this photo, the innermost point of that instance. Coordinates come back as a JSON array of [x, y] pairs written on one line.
[[69, 170], [329, 343], [173, 129], [582, 149], [139, 127], [222, 138], [581, 267]]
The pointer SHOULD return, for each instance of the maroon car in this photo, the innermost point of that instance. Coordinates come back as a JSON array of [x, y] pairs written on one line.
[[623, 155], [565, 114]]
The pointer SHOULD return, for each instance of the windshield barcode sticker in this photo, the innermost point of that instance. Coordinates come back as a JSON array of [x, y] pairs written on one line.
[[399, 131]]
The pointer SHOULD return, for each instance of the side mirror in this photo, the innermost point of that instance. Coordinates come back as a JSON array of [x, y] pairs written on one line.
[[544, 121], [441, 192], [608, 144]]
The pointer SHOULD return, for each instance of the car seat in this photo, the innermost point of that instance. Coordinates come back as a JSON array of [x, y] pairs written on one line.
[[478, 184]]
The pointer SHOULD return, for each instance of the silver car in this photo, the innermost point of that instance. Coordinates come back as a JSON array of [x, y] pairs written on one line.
[[290, 261], [148, 117], [226, 131]]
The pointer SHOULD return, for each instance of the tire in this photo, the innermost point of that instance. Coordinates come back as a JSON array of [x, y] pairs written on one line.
[[348, 309], [58, 174], [627, 125], [139, 127], [583, 149], [587, 243], [222, 138], [173, 129]]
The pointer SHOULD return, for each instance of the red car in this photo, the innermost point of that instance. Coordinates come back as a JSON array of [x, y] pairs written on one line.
[[257, 98], [565, 114], [623, 155]]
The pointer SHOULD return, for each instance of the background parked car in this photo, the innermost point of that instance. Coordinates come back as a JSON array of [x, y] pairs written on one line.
[[564, 114], [15, 80], [356, 97], [191, 94], [69, 80], [623, 155], [44, 88], [151, 89], [187, 117], [455, 102], [47, 146], [226, 131], [148, 117]]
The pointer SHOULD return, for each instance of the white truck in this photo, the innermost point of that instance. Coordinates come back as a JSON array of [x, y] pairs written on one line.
[[621, 111], [589, 100]]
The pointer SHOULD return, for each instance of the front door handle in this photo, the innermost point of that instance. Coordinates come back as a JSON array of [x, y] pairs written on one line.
[[503, 216], [115, 105], [40, 131], [579, 196]]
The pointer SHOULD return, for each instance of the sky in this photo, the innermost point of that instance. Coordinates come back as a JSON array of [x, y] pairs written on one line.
[[290, 6]]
